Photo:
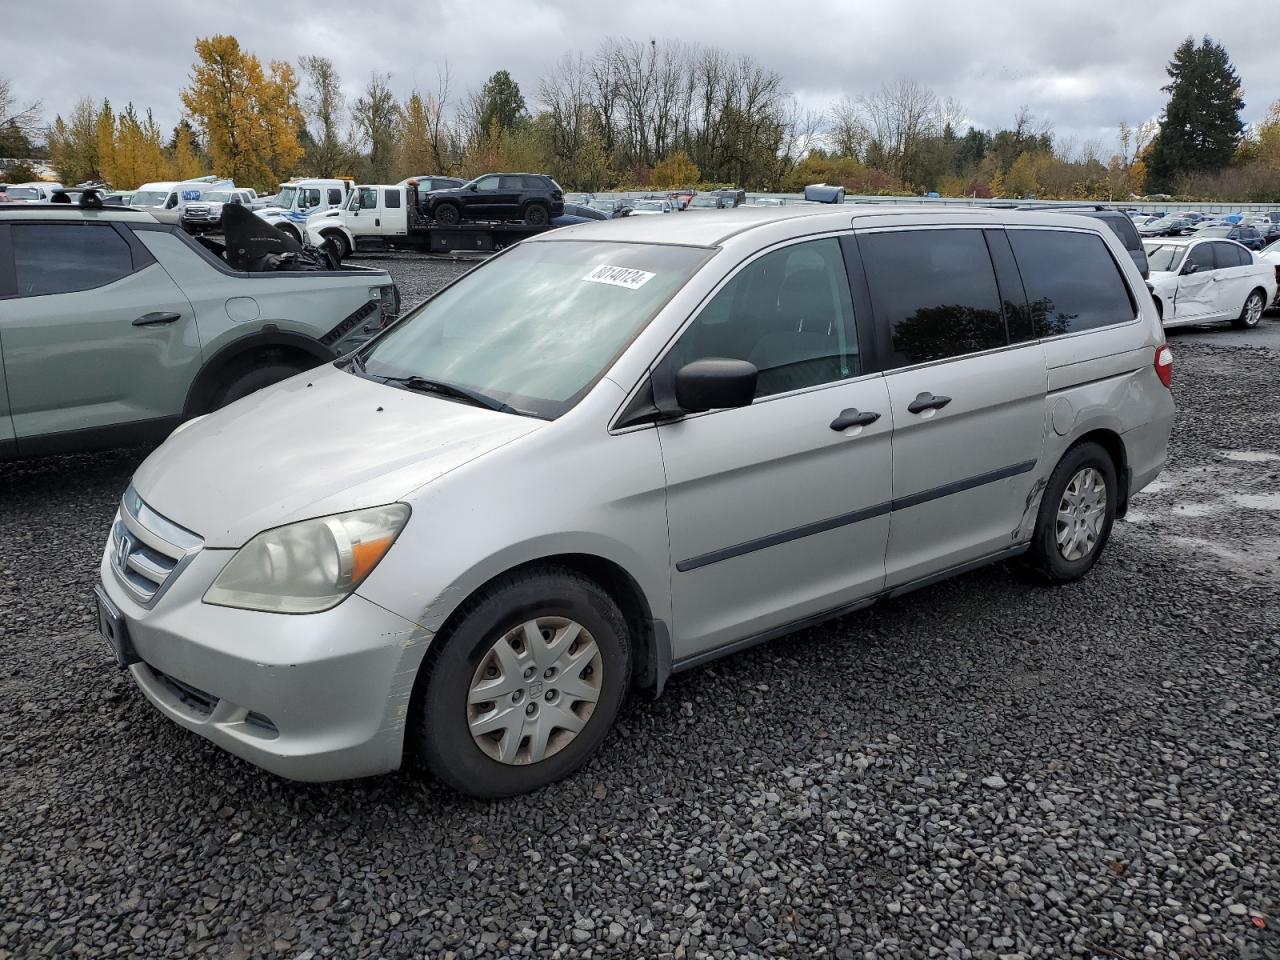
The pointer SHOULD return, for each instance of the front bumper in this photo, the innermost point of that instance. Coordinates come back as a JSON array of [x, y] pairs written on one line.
[[311, 697]]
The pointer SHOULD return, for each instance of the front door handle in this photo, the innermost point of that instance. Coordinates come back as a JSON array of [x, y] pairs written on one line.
[[927, 401], [853, 418], [151, 319]]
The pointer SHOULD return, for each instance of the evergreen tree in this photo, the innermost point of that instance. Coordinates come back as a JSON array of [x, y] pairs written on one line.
[[1201, 125], [503, 104]]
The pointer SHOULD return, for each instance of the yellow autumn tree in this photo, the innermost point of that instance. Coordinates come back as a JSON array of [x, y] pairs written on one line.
[[105, 136], [137, 154], [1269, 137], [675, 170], [416, 156], [184, 158], [250, 119], [1023, 178]]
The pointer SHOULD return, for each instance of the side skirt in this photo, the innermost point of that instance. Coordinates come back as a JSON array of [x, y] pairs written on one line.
[[746, 643]]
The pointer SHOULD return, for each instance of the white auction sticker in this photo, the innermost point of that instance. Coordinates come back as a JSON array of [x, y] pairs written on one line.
[[619, 276]]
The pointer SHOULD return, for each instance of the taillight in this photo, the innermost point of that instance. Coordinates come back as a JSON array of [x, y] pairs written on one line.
[[1164, 365]]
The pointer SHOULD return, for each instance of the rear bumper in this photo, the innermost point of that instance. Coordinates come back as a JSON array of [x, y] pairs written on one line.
[[1147, 448], [312, 697]]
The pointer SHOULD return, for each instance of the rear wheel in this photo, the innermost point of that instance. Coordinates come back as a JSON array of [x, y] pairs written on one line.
[[252, 377], [448, 214], [1076, 514], [526, 686], [537, 215], [1251, 312]]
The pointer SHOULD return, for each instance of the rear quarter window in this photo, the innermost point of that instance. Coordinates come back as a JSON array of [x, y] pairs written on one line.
[[1071, 280]]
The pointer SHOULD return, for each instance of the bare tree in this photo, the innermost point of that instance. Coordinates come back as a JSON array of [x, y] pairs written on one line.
[[900, 116], [377, 114], [848, 135], [25, 118], [331, 151]]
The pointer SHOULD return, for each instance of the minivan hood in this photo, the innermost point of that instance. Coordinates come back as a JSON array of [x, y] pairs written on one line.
[[319, 443]]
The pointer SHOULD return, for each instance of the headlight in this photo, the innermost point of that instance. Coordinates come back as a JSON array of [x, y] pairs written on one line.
[[309, 566]]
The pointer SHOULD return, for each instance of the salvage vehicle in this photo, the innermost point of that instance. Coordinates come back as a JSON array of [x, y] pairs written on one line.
[[531, 197], [623, 449], [205, 215], [115, 326], [172, 194], [36, 191], [1271, 256], [650, 206], [1243, 234], [432, 181], [1200, 280], [301, 198], [374, 214]]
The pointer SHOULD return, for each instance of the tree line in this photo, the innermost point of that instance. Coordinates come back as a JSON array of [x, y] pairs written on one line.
[[638, 114]]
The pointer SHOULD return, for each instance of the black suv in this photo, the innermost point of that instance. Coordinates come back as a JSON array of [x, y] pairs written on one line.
[[532, 197]]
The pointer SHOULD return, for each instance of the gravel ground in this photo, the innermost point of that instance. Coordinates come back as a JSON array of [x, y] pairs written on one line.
[[983, 769]]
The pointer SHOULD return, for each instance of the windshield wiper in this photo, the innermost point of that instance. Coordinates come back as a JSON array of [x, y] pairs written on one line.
[[453, 391]]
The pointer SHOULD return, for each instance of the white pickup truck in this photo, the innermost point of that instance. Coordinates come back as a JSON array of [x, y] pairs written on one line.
[[300, 199], [375, 215]]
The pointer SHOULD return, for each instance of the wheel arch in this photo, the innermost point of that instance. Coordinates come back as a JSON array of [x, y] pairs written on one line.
[[234, 355], [1113, 443]]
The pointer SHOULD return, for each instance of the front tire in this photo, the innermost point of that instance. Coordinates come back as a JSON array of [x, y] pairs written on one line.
[[525, 687], [1251, 312], [448, 214], [1076, 515], [338, 244]]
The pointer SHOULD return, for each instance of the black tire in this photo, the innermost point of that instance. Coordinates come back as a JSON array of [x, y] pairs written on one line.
[[537, 215], [337, 242], [1044, 557], [1255, 304], [448, 214], [289, 231], [252, 378], [440, 730]]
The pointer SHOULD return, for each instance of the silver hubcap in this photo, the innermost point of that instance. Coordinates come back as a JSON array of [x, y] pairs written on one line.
[[1081, 514], [1253, 310], [534, 690]]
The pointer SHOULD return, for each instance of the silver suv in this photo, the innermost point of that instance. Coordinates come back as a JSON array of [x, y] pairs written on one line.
[[116, 325], [623, 449]]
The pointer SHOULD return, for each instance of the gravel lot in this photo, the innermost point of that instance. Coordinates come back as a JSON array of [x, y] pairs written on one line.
[[983, 769]]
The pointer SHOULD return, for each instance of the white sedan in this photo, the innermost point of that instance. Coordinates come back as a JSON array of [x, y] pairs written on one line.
[[1206, 280], [1271, 255], [644, 208]]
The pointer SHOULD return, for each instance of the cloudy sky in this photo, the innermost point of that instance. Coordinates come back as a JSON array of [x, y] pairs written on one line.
[[1084, 65]]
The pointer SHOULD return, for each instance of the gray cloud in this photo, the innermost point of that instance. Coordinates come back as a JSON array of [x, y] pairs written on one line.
[[1083, 66]]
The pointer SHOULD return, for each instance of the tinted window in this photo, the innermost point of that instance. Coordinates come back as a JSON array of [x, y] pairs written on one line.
[[1225, 255], [392, 199], [513, 183], [62, 257], [1071, 281], [535, 183], [1202, 256], [788, 312], [934, 291], [487, 183], [335, 196]]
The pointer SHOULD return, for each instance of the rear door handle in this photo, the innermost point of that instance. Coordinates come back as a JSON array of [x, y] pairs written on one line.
[[852, 417], [927, 401], [151, 319]]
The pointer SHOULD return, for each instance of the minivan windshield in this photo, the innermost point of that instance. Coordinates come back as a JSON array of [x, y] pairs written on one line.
[[149, 198], [536, 327], [1165, 257]]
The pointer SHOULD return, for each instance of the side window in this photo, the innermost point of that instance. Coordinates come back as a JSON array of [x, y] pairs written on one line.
[[1202, 256], [368, 198], [1071, 280], [310, 197], [536, 184], [172, 201], [391, 199], [513, 183], [487, 184], [789, 312], [1224, 255], [934, 292], [335, 196], [65, 257]]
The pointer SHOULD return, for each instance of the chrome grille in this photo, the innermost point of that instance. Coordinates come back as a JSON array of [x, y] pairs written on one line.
[[147, 550]]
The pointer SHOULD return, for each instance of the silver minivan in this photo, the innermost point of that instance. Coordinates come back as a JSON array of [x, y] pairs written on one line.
[[620, 450]]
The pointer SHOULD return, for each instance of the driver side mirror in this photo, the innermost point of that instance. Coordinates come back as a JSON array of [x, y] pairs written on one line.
[[472, 187], [715, 383], [1190, 268]]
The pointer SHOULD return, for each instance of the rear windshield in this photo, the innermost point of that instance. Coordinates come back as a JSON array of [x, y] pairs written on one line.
[[537, 326]]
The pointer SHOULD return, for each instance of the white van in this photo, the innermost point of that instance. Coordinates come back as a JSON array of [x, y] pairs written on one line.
[[372, 211], [174, 194], [300, 199]]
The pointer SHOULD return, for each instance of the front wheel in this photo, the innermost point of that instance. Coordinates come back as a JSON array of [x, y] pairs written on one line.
[[448, 214], [526, 686], [1251, 312], [338, 244], [1076, 515], [252, 378]]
